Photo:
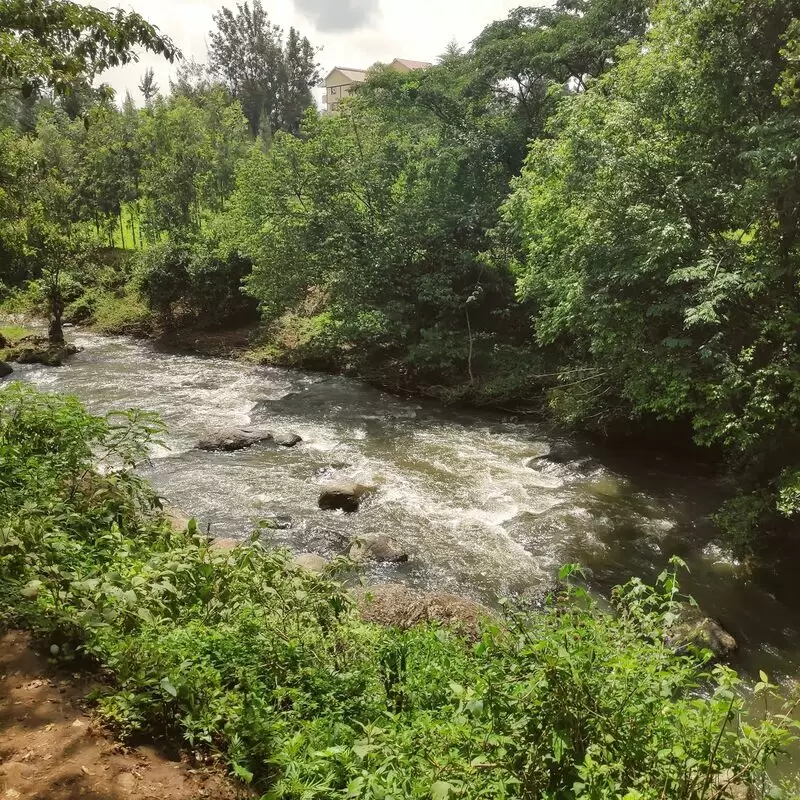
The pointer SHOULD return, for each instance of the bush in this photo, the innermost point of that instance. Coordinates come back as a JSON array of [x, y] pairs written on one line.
[[239, 654], [197, 282], [120, 314]]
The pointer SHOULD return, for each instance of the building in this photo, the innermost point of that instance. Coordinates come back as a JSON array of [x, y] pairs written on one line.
[[343, 81]]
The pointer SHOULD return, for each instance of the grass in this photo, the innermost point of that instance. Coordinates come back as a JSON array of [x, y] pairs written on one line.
[[14, 332], [117, 314]]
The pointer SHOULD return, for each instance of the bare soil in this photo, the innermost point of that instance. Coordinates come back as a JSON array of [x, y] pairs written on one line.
[[52, 749]]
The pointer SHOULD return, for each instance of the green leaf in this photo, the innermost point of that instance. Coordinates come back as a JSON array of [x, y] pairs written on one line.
[[441, 790], [31, 589], [242, 773], [167, 686]]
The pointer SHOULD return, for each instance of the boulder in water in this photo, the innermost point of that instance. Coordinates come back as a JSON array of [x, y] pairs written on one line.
[[176, 518], [693, 629], [287, 439], [310, 562], [233, 439], [5, 369], [726, 785], [383, 548], [277, 522], [344, 496], [324, 541], [224, 544], [398, 606], [558, 453], [40, 351]]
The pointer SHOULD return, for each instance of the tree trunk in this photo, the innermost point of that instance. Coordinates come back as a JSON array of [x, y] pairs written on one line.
[[55, 332], [121, 229]]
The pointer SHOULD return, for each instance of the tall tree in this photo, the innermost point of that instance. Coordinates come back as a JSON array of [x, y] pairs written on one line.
[[148, 86], [660, 242], [272, 79]]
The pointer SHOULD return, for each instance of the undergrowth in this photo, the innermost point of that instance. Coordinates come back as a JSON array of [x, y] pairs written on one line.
[[239, 655]]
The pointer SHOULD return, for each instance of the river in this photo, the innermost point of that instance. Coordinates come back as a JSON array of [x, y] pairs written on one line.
[[463, 492]]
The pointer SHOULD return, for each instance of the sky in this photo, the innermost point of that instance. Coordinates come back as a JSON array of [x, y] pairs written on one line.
[[350, 33]]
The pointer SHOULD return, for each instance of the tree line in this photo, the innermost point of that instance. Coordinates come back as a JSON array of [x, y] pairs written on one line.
[[590, 212]]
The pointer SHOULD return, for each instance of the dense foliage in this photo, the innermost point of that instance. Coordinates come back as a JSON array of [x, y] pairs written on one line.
[[240, 654], [591, 213], [658, 230]]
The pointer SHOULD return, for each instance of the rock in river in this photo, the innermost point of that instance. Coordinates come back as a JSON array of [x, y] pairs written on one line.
[[5, 369], [345, 496], [383, 548], [287, 439], [310, 562], [399, 607], [234, 439], [692, 629], [39, 351]]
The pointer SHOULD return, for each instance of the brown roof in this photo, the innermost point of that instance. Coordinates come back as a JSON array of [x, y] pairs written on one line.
[[354, 73], [407, 62]]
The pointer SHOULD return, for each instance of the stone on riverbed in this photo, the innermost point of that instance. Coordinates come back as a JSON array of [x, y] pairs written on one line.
[[383, 548], [692, 629], [287, 439], [40, 351], [176, 518], [5, 369], [224, 545], [234, 439], [344, 496], [726, 786], [398, 606], [310, 562], [558, 453]]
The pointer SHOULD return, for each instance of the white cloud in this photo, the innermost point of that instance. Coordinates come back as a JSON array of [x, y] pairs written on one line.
[[346, 15], [379, 30]]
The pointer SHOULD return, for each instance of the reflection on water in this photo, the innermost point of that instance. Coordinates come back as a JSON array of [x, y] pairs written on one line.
[[465, 493]]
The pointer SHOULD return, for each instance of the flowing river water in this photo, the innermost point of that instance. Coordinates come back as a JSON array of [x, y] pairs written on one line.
[[462, 492]]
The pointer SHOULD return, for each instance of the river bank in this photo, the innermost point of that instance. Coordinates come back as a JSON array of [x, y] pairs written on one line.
[[467, 494]]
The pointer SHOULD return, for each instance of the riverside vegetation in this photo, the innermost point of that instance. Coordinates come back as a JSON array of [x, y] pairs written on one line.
[[240, 656]]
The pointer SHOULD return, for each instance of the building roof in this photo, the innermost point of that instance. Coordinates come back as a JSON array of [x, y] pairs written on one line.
[[407, 62], [354, 73]]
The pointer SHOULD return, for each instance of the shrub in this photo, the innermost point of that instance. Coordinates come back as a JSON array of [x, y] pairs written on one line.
[[197, 281], [119, 314]]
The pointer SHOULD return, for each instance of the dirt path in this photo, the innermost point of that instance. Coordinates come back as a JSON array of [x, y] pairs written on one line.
[[51, 750]]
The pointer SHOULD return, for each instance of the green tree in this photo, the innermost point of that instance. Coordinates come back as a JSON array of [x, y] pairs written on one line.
[[188, 156], [148, 86], [53, 43], [272, 78], [660, 243]]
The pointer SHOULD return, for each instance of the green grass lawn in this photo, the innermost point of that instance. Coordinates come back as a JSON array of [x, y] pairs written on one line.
[[13, 332]]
